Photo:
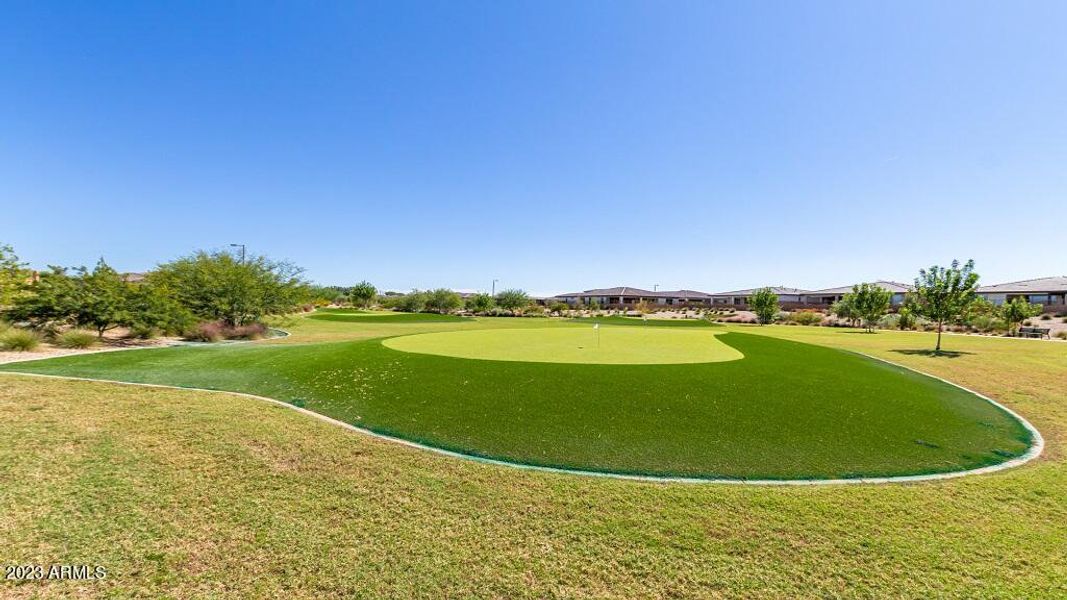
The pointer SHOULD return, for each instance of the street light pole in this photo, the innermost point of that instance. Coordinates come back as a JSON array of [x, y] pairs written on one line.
[[494, 287], [242, 247], [655, 287]]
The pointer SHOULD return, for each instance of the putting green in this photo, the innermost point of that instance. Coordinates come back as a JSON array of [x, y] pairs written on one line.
[[608, 345]]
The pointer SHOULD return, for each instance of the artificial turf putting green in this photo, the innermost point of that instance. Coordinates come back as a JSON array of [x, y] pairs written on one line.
[[605, 345], [786, 411]]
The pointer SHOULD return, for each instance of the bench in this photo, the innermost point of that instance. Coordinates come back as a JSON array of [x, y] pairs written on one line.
[[1034, 332]]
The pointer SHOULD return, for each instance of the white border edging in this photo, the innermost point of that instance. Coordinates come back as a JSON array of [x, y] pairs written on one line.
[[1036, 447]]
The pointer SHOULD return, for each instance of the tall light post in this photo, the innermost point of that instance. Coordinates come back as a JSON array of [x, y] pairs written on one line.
[[494, 287], [655, 287], [242, 247]]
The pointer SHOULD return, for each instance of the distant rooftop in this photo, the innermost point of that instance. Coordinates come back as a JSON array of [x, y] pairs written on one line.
[[892, 286], [1041, 284]]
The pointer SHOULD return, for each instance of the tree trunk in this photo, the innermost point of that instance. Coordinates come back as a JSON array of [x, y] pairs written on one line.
[[938, 348]]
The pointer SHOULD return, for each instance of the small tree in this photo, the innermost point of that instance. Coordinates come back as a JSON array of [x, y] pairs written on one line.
[[363, 293], [907, 318], [220, 287], [944, 295], [443, 300], [1017, 311], [513, 300], [14, 276], [480, 303], [765, 304], [559, 307], [47, 303], [845, 310], [100, 298], [869, 302], [412, 302]]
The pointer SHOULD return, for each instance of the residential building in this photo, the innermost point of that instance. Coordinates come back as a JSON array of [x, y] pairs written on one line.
[[786, 295], [830, 295], [1050, 292]]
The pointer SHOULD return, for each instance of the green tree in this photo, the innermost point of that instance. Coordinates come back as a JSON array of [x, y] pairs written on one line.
[[480, 303], [1017, 311], [907, 317], [513, 300], [869, 303], [765, 304], [559, 307], [363, 294], [443, 300], [413, 302], [944, 295], [150, 309], [47, 303], [218, 286], [845, 310], [14, 276], [100, 298]]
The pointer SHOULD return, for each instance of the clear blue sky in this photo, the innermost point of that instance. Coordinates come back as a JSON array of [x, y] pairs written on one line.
[[552, 146]]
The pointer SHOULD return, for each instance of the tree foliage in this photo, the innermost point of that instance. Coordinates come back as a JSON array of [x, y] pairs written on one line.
[[363, 294], [217, 286], [512, 299], [944, 294], [14, 276], [765, 304], [869, 303], [443, 300], [1017, 311], [412, 302], [480, 303]]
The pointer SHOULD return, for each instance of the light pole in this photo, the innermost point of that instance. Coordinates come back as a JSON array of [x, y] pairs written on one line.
[[242, 247], [494, 287], [655, 287]]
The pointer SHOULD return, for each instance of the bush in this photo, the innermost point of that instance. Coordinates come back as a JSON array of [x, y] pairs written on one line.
[[987, 323], [142, 332], [76, 339], [413, 302], [1046, 317], [805, 317], [1061, 334], [19, 340], [252, 331], [206, 332]]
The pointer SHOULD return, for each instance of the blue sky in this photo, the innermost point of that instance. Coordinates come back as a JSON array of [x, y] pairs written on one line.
[[552, 146]]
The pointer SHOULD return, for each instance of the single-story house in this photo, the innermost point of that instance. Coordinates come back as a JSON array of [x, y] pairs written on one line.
[[831, 295], [786, 295], [1050, 292], [629, 296]]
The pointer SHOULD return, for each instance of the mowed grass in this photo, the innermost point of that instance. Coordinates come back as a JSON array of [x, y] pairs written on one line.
[[787, 410], [190, 494], [606, 345]]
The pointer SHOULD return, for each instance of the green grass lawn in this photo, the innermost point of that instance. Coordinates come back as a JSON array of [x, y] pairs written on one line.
[[606, 345], [190, 494], [786, 410]]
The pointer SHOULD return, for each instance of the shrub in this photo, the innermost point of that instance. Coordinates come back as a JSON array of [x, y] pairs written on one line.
[[205, 332], [413, 302], [805, 317], [142, 332], [252, 331], [1061, 334], [20, 340], [1046, 317], [76, 339]]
